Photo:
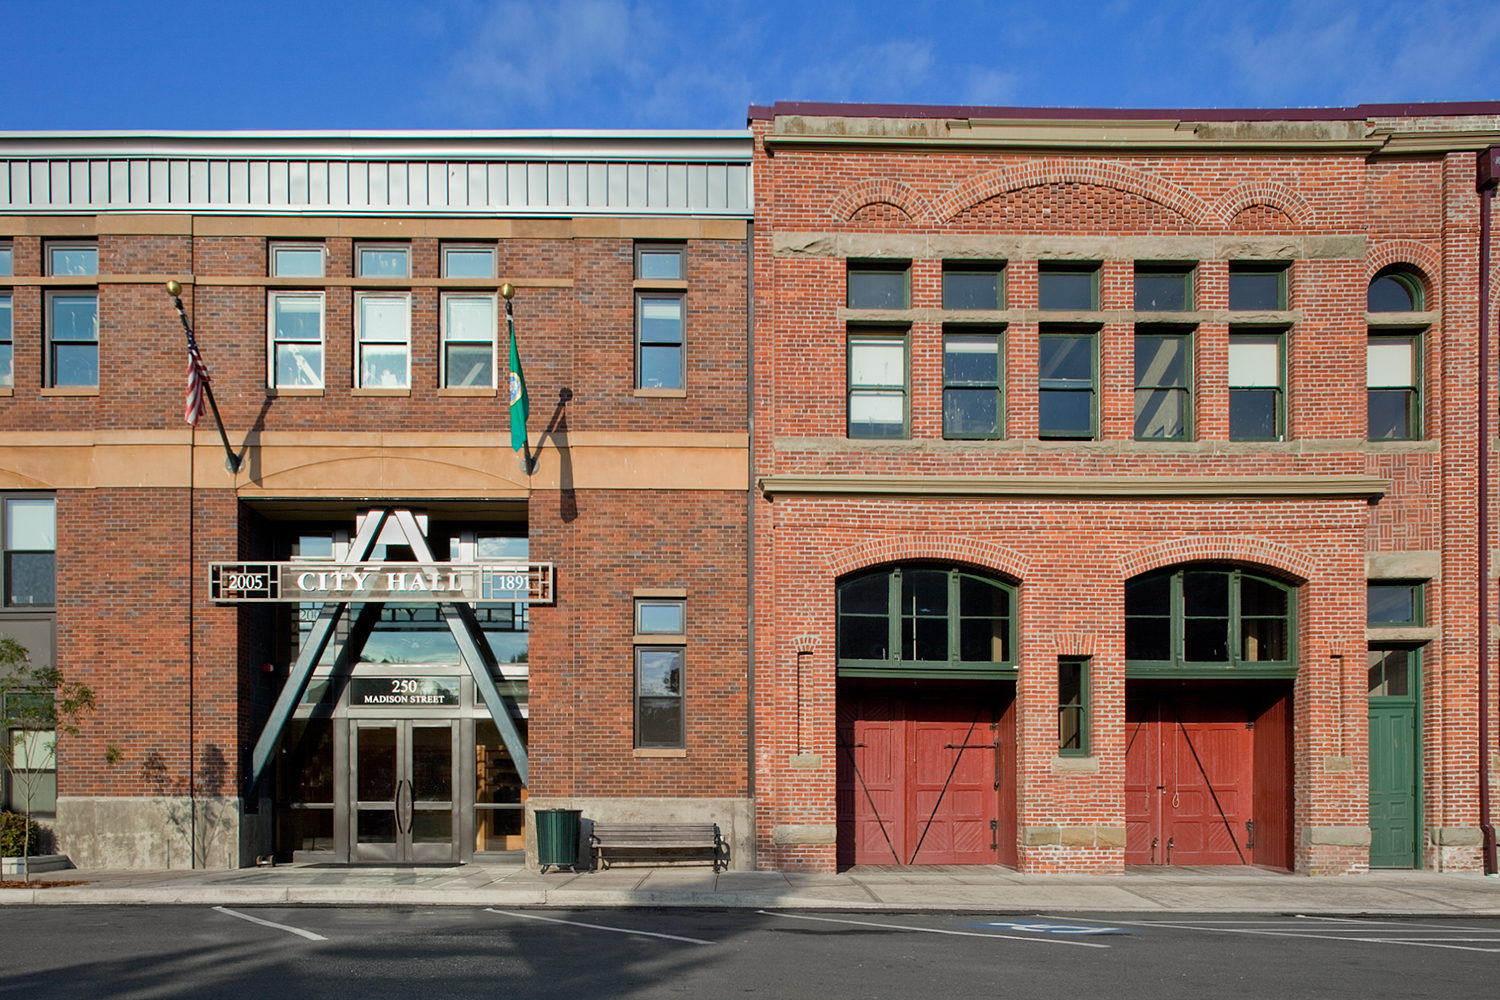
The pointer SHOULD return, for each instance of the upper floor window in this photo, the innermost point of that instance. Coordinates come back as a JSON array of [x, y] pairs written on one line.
[[1071, 287], [1256, 367], [1066, 385], [1394, 290], [7, 260], [973, 285], [659, 262], [877, 385], [1162, 378], [298, 260], [72, 332], [383, 339], [1393, 385], [7, 347], [1163, 287], [72, 259], [1391, 602], [30, 567], [468, 262], [469, 324], [920, 619], [973, 401], [879, 285], [1257, 287], [1208, 616], [384, 261], [295, 321]]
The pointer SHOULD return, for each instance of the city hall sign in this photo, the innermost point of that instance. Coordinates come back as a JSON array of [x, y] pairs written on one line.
[[404, 583]]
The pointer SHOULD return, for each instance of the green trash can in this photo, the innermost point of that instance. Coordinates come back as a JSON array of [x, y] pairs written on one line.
[[557, 838]]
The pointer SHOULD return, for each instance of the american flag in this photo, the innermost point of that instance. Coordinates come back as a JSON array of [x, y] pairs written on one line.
[[197, 380]]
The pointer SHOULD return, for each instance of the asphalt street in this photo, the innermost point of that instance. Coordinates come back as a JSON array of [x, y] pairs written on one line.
[[375, 953]]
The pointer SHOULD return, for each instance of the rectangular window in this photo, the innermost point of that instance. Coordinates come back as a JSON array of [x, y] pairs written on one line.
[[972, 400], [30, 552], [7, 345], [659, 340], [72, 259], [1065, 385], [7, 259], [468, 262], [297, 260], [659, 262], [1259, 287], [383, 340], [973, 285], [1256, 408], [1072, 707], [878, 285], [660, 719], [1393, 603], [1071, 287], [383, 261], [468, 340], [1163, 288], [660, 616], [1392, 372], [1162, 380], [877, 385], [72, 338], [1391, 672], [34, 752], [296, 337]]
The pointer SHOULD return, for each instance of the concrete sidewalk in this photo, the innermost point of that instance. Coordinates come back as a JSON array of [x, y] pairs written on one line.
[[1188, 890]]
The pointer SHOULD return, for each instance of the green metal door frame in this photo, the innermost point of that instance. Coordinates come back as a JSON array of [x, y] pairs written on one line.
[[1412, 702]]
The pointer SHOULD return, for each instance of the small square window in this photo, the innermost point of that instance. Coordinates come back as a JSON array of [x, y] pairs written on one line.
[[7, 260], [878, 285], [1162, 381], [877, 385], [1391, 672], [1256, 405], [660, 718], [659, 262], [1257, 287], [656, 616], [469, 324], [1393, 603], [1066, 385], [382, 261], [659, 340], [468, 262], [383, 340], [973, 286], [972, 399], [1071, 287], [1391, 378], [298, 260], [296, 340], [72, 259], [72, 319], [1163, 288]]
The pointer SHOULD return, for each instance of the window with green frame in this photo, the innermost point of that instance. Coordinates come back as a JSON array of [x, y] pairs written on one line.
[[1209, 619], [1072, 706], [1163, 381], [1066, 383], [925, 620]]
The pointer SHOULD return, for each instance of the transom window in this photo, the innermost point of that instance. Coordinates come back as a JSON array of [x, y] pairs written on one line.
[[920, 620], [973, 285], [1257, 287], [382, 261], [1163, 287], [1395, 290], [298, 260], [879, 285], [1208, 619], [468, 262]]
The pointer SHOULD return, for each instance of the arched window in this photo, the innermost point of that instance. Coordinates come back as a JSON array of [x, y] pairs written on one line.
[[1394, 289], [925, 621], [1207, 620]]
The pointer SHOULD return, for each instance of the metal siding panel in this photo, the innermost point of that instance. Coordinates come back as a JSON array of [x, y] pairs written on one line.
[[296, 187], [239, 182], [260, 182], [279, 184], [718, 185], [656, 185], [119, 182], [218, 182], [416, 185], [317, 183], [619, 185], [198, 182], [516, 185], [159, 182], [457, 185], [57, 186], [78, 183], [598, 196], [177, 182], [697, 198], [496, 193], [338, 184], [398, 184], [479, 187], [20, 183], [437, 185], [140, 184], [739, 188], [380, 186], [635, 195], [677, 185], [5, 186], [536, 185], [99, 182], [578, 185], [359, 185], [557, 185]]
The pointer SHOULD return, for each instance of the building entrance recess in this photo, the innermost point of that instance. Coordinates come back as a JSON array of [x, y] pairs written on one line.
[[404, 805]]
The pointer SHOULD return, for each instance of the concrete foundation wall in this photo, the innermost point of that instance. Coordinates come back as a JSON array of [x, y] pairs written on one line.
[[735, 817], [150, 832]]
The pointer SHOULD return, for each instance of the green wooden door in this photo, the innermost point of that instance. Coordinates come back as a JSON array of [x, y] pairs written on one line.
[[1393, 759]]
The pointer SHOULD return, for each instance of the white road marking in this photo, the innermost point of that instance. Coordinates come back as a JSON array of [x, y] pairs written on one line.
[[267, 923], [1220, 929], [935, 930], [595, 927]]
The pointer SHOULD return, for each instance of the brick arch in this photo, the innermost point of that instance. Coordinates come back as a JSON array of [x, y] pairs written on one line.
[[1223, 548], [1097, 173], [941, 548], [1269, 193], [1419, 258], [878, 191]]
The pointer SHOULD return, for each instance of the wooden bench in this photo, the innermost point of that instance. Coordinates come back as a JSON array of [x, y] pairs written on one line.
[[658, 842]]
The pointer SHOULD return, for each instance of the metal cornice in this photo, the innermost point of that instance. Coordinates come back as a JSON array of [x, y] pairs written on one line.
[[979, 487], [1361, 147]]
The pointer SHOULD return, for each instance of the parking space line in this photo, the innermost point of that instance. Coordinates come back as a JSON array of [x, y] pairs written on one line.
[[595, 927], [934, 930], [268, 923], [1220, 929]]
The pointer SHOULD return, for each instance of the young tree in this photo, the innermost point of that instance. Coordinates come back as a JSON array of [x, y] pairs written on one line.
[[36, 705]]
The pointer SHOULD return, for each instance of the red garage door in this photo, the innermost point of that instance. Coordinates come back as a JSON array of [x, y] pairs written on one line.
[[920, 777]]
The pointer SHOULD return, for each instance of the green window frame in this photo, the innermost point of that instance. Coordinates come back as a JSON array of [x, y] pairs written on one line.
[[1163, 287], [878, 379], [973, 285], [1395, 289], [1257, 384], [1258, 287], [878, 285], [1073, 723], [1068, 383], [973, 383], [1068, 287], [925, 620], [1163, 383], [1393, 381], [1394, 602], [1209, 620], [1393, 670]]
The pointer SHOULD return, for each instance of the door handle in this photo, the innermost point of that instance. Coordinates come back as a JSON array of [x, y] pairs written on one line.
[[403, 806]]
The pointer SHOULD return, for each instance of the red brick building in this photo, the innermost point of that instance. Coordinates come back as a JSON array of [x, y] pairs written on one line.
[[1116, 487], [344, 290]]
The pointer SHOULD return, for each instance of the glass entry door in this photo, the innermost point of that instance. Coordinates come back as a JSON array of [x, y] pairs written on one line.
[[403, 790]]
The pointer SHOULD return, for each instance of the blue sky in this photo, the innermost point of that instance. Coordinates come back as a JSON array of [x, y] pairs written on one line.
[[492, 64]]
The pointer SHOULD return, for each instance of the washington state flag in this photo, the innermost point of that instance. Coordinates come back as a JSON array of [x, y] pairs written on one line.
[[520, 406]]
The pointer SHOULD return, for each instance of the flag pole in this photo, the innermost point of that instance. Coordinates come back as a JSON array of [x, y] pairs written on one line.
[[520, 405], [232, 462]]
